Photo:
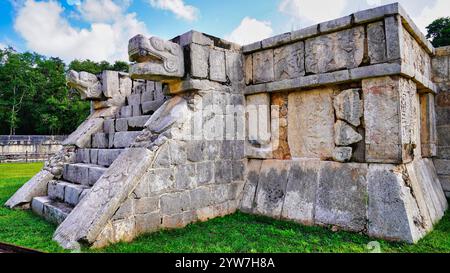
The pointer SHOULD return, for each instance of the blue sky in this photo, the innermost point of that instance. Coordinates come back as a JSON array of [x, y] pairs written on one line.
[[100, 29]]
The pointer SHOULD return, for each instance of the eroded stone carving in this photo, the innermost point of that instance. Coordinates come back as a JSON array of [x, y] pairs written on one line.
[[156, 59], [87, 84]]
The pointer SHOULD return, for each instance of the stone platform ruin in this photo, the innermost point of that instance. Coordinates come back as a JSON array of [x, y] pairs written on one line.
[[334, 125]]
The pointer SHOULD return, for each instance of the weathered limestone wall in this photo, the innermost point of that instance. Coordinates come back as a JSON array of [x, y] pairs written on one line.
[[28, 148], [186, 166], [441, 76], [353, 101]]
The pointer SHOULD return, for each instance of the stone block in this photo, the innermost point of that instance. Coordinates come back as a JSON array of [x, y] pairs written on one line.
[[248, 69], [276, 40], [150, 107], [251, 183], [342, 154], [344, 134], [137, 122], [148, 222], [336, 24], [263, 66], [174, 203], [83, 156], [195, 150], [38, 203], [134, 99], [311, 136], [107, 156], [301, 191], [234, 66], [76, 173], [159, 180], [342, 196], [72, 193], [376, 42], [94, 174], [121, 125], [126, 111], [348, 106], [110, 83], [223, 171], [335, 51], [204, 172], [393, 28], [147, 96], [146, 205], [136, 110], [56, 190], [258, 118], [304, 33], [94, 156], [289, 61], [199, 60], [271, 190], [100, 140], [125, 85], [108, 125], [217, 65], [238, 169], [382, 120], [393, 213], [124, 139], [221, 193], [200, 198], [428, 131], [185, 177], [179, 220]]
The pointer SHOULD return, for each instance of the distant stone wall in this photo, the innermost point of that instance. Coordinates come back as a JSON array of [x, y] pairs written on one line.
[[28, 148]]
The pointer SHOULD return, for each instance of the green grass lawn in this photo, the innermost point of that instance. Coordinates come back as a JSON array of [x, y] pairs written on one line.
[[235, 233]]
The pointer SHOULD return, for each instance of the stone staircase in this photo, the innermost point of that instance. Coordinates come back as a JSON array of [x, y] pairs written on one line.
[[91, 162]]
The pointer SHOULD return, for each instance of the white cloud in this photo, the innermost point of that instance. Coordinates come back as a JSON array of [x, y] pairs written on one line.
[[2, 46], [314, 11], [178, 7], [100, 10], [250, 30], [46, 31]]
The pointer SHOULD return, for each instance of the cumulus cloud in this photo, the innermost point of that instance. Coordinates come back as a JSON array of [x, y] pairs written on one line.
[[314, 11], [178, 7], [46, 31], [2, 46], [100, 10], [250, 30]]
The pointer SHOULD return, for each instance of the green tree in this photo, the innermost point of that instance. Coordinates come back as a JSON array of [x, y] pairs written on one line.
[[439, 32], [18, 84], [98, 67]]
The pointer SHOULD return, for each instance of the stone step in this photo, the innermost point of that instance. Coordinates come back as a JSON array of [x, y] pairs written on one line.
[[114, 140], [66, 192], [83, 174], [53, 211], [102, 157], [124, 139], [130, 124]]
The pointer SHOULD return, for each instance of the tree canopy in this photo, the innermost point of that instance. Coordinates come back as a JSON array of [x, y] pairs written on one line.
[[34, 97], [439, 32]]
